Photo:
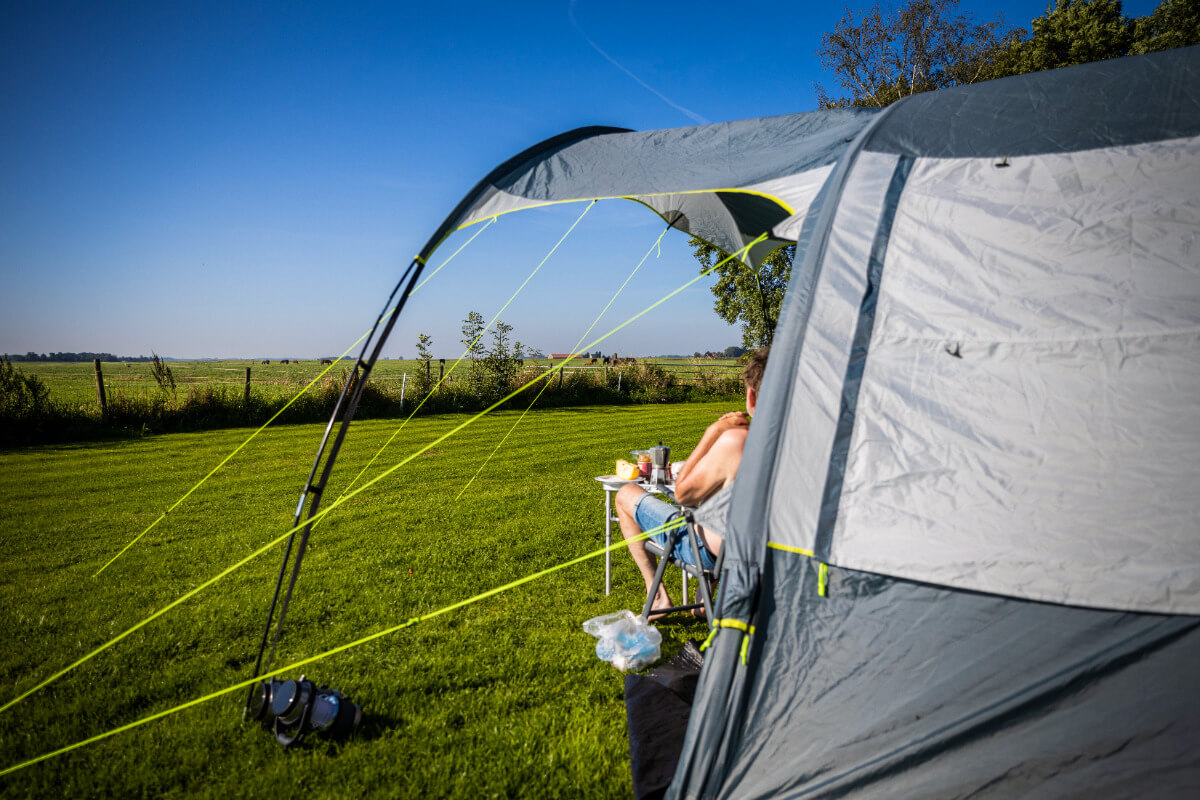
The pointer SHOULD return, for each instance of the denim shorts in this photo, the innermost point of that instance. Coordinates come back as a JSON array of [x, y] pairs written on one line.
[[650, 512]]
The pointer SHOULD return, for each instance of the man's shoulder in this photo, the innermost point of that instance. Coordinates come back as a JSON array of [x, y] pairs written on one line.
[[727, 449], [734, 436]]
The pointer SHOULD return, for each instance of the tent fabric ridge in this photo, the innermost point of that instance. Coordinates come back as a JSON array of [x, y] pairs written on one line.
[[888, 569], [1080, 107], [1090, 337], [861, 344], [1014, 160]]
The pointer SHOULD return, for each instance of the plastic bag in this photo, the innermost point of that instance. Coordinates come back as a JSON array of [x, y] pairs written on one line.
[[625, 641]]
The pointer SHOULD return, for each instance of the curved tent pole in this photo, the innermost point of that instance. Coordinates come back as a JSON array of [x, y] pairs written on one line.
[[347, 403], [345, 407]]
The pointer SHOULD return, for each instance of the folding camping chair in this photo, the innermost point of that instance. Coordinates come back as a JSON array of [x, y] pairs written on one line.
[[705, 579]]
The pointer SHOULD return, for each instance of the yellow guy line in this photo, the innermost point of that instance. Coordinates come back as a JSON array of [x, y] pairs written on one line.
[[635, 198], [299, 394], [350, 495], [459, 360], [451, 258], [364, 640], [546, 385], [238, 449], [789, 549]]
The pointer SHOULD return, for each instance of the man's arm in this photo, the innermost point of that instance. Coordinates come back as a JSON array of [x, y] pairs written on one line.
[[707, 472]]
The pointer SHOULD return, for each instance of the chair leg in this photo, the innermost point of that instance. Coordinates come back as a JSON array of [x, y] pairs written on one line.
[[658, 573], [704, 590]]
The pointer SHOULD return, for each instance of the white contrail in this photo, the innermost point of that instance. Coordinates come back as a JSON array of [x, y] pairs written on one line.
[[692, 115]]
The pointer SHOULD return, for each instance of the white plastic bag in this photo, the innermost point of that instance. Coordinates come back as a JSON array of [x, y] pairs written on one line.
[[625, 641]]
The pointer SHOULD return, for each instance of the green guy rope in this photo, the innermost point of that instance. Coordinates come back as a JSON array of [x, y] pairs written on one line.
[[546, 385], [342, 648], [451, 257], [495, 318], [299, 394], [236, 450], [350, 495]]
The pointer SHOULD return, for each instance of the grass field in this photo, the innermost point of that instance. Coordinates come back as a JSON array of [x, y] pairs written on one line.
[[503, 698], [75, 382]]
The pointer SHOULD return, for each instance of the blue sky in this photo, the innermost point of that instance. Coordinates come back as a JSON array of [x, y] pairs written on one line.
[[248, 180]]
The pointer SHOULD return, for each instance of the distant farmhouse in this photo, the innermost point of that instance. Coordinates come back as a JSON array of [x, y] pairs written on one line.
[[596, 354]]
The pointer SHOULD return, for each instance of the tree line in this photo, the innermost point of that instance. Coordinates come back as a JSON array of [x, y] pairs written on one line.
[[31, 356], [883, 54]]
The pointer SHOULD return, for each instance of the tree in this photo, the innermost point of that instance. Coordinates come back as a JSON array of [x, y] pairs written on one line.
[[1073, 32], [886, 54], [751, 297], [473, 328], [425, 356], [500, 365], [1175, 23]]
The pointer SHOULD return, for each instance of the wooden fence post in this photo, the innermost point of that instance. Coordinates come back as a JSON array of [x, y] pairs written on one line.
[[441, 368], [560, 376], [246, 394], [100, 388]]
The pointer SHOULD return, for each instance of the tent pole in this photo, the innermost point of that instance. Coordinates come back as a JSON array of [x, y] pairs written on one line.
[[347, 404]]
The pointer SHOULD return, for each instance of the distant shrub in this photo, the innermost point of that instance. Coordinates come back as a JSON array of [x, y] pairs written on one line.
[[24, 402], [162, 374], [28, 414]]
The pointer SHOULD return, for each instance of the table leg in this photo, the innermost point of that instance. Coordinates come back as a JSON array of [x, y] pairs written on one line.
[[607, 542]]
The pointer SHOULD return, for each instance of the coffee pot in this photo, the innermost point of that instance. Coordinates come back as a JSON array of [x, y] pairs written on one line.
[[660, 464]]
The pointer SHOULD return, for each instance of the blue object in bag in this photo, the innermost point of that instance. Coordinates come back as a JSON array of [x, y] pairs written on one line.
[[625, 641]]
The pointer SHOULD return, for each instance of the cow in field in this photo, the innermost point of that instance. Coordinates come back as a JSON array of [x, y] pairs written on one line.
[[283, 361], [326, 360], [266, 361]]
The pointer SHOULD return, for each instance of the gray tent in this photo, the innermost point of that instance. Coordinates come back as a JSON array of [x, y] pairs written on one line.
[[966, 531]]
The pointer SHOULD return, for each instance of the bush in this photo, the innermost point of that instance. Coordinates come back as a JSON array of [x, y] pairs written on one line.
[[25, 407], [28, 415]]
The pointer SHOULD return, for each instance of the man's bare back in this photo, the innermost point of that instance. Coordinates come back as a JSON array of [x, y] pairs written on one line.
[[711, 466]]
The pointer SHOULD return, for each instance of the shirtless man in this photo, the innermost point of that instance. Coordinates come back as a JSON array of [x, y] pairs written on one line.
[[710, 467]]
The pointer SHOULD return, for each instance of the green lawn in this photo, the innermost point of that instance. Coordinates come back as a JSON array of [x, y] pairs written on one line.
[[503, 698]]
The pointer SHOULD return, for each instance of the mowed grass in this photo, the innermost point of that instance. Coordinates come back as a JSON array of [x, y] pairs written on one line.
[[504, 698]]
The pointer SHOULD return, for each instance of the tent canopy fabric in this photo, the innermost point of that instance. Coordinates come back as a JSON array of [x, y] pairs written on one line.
[[725, 183]]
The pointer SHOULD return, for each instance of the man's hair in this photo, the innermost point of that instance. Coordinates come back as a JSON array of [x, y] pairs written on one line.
[[755, 367]]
